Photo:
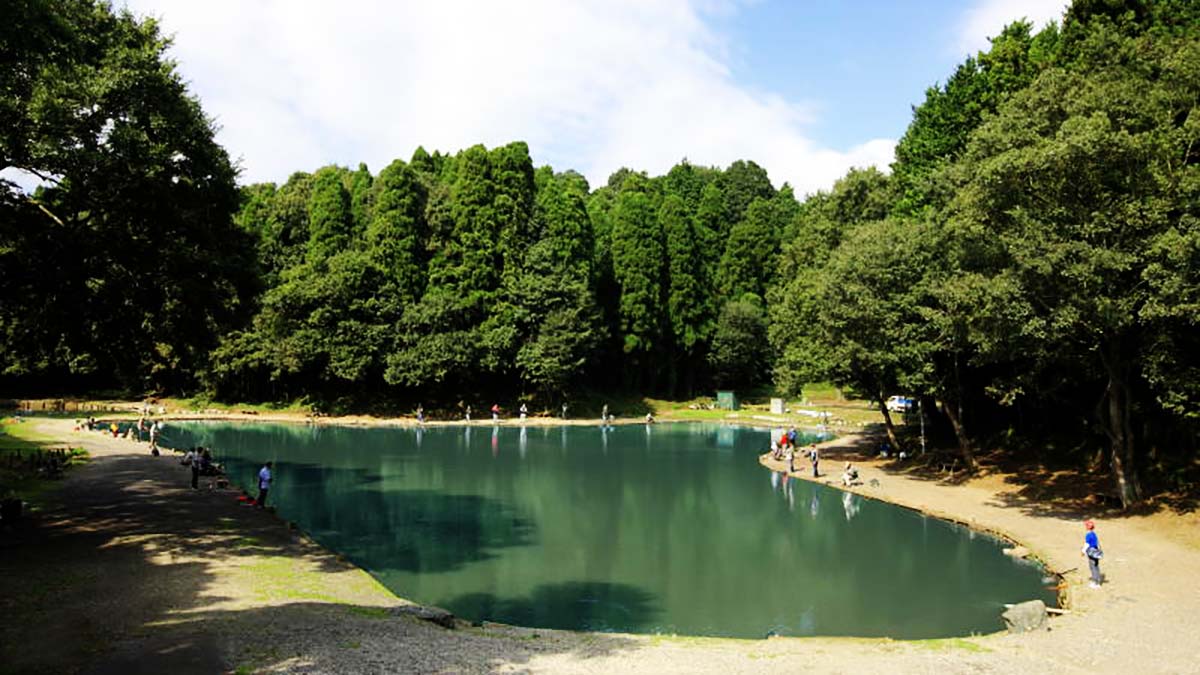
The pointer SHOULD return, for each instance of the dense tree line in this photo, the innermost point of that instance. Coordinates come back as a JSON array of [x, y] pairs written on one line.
[[1028, 267], [477, 273]]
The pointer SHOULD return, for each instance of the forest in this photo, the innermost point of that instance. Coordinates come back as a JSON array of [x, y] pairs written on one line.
[[1029, 266]]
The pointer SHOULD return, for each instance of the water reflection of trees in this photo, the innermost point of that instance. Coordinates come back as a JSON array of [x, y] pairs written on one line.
[[573, 605], [683, 518], [406, 530]]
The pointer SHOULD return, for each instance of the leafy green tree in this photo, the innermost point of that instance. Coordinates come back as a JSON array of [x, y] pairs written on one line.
[[711, 227], [1078, 187], [742, 183], [563, 217], [943, 122], [560, 322], [638, 267], [137, 207], [749, 258], [688, 182], [440, 341], [330, 221], [737, 357], [512, 175], [283, 234], [689, 295], [867, 321], [397, 234], [324, 321], [358, 184]]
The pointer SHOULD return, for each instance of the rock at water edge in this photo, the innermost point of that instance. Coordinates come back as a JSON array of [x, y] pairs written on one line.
[[431, 614], [1025, 617]]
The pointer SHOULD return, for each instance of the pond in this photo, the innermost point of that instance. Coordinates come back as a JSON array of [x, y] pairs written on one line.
[[670, 528]]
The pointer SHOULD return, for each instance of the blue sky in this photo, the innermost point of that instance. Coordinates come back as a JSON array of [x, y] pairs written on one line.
[[861, 64], [805, 88]]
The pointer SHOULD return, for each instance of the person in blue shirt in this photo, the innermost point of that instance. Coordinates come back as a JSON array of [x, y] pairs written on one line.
[[264, 485], [1091, 551]]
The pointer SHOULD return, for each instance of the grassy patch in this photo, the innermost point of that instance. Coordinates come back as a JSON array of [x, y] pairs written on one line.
[[656, 640], [841, 412], [686, 415], [284, 578], [951, 644], [369, 612], [279, 578], [22, 478], [301, 406], [16, 434]]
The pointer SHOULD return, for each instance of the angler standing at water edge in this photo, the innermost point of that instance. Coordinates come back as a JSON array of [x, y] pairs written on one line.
[[264, 484], [1093, 552]]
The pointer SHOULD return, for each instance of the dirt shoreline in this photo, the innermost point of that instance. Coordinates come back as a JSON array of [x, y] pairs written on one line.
[[148, 574]]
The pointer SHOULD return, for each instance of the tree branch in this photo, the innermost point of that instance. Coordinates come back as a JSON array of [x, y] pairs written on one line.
[[46, 211]]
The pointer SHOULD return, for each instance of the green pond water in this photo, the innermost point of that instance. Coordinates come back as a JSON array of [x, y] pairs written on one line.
[[671, 528]]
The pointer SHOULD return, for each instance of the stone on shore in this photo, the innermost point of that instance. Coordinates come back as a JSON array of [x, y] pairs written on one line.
[[436, 615], [1025, 617]]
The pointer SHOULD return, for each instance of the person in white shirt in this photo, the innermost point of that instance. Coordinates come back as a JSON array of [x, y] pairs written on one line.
[[850, 475], [192, 459]]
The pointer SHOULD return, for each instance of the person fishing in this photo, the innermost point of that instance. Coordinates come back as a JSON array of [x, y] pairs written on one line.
[[1092, 551]]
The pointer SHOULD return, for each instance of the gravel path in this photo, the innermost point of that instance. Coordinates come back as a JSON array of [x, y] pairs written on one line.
[[132, 571]]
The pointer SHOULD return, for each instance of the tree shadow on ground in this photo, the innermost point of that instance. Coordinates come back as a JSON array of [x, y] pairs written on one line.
[[1072, 493], [128, 572], [326, 637], [1041, 490]]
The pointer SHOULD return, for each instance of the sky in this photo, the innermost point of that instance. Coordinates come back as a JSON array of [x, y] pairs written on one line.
[[805, 88]]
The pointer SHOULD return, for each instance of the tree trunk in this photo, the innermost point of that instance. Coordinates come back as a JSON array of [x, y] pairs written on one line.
[[958, 421], [887, 421], [954, 412], [1119, 432]]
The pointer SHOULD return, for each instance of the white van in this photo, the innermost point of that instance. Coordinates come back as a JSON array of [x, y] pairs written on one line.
[[900, 404]]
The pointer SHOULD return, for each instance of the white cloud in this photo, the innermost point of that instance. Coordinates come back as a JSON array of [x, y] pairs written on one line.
[[25, 181], [988, 17], [591, 85]]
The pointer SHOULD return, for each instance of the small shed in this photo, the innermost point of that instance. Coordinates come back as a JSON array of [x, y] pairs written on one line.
[[727, 400], [777, 406]]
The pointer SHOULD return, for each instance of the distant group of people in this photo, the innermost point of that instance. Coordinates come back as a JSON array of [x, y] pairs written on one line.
[[133, 432], [785, 449], [200, 461], [522, 412]]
